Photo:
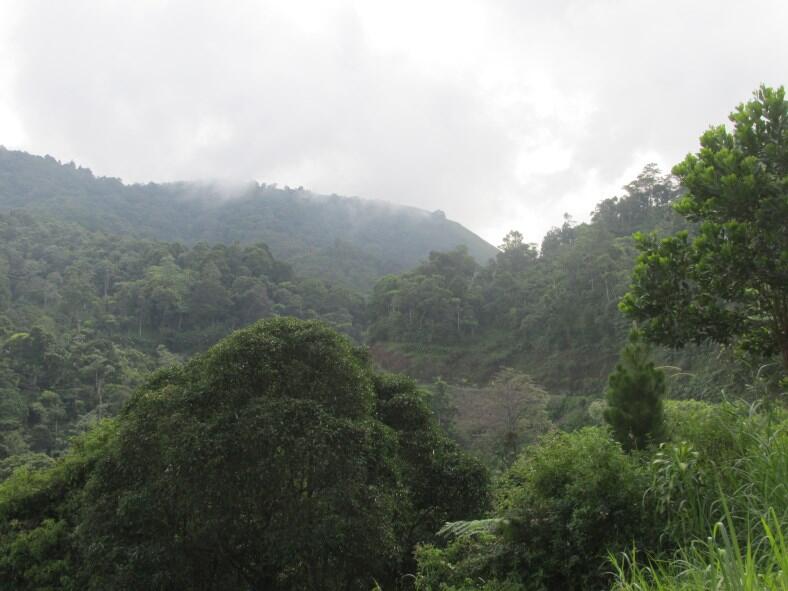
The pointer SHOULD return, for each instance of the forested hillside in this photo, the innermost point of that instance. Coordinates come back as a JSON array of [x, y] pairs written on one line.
[[84, 316], [550, 311], [299, 227], [606, 410]]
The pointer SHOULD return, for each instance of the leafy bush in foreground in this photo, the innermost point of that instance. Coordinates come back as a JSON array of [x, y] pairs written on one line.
[[564, 505], [277, 460]]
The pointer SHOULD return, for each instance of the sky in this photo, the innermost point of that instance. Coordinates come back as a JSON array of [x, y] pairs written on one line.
[[503, 114]]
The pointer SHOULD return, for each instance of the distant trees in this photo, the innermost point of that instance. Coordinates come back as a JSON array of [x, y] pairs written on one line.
[[499, 419], [554, 310], [349, 241], [442, 406], [727, 281], [515, 255], [434, 303], [83, 316], [520, 407]]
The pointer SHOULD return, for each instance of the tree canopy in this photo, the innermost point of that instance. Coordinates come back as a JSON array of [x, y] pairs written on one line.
[[345, 240], [276, 460], [550, 312], [727, 280]]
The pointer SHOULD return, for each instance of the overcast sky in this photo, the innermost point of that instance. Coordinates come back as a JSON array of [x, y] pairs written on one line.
[[502, 114]]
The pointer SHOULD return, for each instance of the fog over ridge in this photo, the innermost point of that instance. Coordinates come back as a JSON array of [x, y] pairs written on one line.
[[503, 115]]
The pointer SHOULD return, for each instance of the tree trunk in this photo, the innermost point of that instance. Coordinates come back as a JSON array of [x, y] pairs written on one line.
[[98, 393], [106, 290]]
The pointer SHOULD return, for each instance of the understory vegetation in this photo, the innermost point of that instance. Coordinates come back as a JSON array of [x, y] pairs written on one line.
[[706, 509]]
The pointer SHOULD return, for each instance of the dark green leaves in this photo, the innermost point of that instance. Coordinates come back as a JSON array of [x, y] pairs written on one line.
[[729, 280]]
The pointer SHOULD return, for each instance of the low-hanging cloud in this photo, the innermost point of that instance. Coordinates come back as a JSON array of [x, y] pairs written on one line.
[[502, 114]]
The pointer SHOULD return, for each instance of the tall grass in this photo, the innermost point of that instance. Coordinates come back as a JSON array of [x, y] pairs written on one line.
[[717, 563], [734, 475]]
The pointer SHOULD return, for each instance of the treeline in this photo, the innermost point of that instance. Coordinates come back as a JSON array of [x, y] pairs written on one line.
[[551, 312], [307, 230], [84, 316], [569, 288]]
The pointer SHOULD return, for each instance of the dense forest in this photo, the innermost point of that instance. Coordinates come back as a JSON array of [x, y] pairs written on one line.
[[347, 240], [550, 311], [196, 393], [85, 316]]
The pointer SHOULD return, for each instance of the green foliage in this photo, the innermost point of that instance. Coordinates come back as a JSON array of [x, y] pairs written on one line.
[[576, 500], [433, 303], [727, 281], [443, 483], [560, 509], [634, 399], [468, 563], [571, 500], [552, 313], [275, 460], [719, 562], [89, 315], [680, 487], [261, 450], [39, 513], [343, 240], [727, 459], [279, 459], [710, 428]]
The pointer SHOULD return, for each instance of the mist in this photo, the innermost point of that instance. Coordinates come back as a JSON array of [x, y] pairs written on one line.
[[503, 115]]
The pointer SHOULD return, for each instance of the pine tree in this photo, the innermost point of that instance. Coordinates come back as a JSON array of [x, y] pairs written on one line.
[[634, 397]]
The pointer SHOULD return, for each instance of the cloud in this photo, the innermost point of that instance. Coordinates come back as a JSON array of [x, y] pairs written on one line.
[[502, 114]]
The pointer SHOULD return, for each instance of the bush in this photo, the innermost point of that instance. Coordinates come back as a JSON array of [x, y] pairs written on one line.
[[709, 427], [725, 474], [571, 500], [470, 562]]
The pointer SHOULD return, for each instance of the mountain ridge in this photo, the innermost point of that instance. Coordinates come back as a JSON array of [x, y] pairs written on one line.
[[300, 227]]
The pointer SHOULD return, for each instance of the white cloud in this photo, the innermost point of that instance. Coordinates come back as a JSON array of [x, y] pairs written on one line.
[[504, 114]]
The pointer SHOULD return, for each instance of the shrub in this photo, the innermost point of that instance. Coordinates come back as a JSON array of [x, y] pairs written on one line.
[[571, 500], [469, 562]]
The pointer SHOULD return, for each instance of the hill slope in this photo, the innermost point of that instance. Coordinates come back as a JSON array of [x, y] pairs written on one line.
[[84, 316], [303, 228], [551, 313]]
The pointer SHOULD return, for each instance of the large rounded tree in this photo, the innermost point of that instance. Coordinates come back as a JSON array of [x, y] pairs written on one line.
[[274, 461]]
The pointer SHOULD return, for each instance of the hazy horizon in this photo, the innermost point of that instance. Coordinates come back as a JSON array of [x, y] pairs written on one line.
[[504, 115]]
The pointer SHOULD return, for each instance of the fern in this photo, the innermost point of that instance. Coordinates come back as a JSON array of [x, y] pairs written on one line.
[[462, 529]]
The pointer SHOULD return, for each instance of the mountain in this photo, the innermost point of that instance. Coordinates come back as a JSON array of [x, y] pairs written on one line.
[[302, 228]]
